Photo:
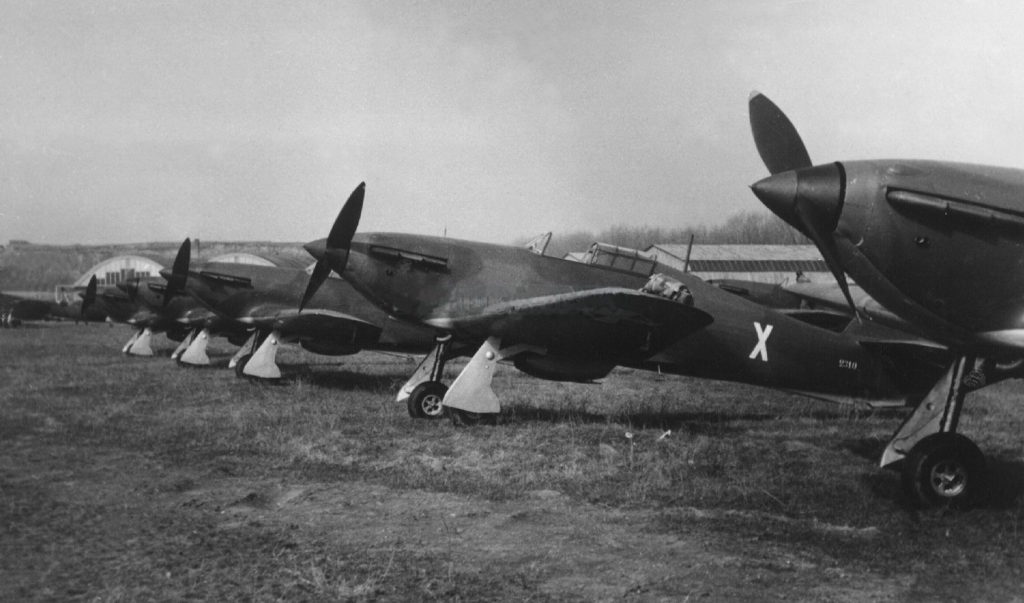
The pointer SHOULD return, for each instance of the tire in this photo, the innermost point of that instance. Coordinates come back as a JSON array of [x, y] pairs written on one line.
[[425, 400], [465, 418], [241, 365], [945, 470]]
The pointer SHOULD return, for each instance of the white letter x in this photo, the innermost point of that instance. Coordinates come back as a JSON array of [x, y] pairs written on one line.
[[761, 349]]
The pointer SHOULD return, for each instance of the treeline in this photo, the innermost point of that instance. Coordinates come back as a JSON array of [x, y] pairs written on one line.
[[747, 228]]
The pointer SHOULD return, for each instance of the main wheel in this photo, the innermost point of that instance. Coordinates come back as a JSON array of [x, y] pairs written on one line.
[[241, 365], [465, 418], [425, 400], [944, 469]]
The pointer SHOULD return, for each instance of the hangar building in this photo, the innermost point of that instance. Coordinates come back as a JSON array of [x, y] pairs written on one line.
[[759, 263], [122, 268]]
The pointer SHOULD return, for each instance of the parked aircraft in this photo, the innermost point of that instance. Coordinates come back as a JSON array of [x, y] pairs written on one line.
[[18, 307], [571, 321], [935, 243], [265, 301], [180, 316]]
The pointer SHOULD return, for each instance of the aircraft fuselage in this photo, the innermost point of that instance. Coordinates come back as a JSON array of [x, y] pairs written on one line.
[[447, 283]]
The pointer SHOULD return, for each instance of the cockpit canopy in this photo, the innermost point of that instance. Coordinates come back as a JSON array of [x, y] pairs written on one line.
[[620, 258]]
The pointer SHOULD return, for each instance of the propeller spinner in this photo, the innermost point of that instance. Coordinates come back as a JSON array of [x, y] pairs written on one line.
[[810, 198], [332, 254]]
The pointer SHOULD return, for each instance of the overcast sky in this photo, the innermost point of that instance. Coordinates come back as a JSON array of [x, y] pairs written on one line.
[[153, 120]]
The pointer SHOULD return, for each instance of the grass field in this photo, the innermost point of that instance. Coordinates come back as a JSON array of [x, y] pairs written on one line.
[[126, 479]]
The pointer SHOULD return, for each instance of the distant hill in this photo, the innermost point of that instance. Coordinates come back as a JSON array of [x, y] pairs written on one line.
[[28, 267]]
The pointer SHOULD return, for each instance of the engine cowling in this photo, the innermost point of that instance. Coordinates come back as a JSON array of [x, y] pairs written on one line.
[[554, 368]]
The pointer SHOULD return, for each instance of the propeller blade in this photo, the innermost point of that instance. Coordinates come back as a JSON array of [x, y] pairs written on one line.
[[816, 227], [348, 220], [809, 198], [90, 295], [333, 255], [130, 287], [179, 272], [777, 140], [320, 273]]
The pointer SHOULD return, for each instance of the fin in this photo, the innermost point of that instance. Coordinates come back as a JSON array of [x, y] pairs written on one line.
[[263, 363], [195, 354]]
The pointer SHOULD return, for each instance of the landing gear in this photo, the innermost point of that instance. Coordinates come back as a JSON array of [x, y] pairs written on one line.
[[423, 393], [262, 363], [195, 353], [470, 399], [941, 467], [246, 351], [240, 365], [944, 469], [140, 343], [425, 400], [182, 344]]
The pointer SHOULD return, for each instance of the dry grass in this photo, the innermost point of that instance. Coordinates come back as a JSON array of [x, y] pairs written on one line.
[[761, 475]]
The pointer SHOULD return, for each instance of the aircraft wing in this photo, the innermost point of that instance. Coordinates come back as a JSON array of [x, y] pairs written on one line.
[[313, 324], [827, 297], [871, 332], [599, 322], [824, 318]]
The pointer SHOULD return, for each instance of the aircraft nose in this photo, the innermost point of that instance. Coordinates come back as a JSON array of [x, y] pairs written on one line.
[[819, 194], [811, 199], [778, 193], [317, 249]]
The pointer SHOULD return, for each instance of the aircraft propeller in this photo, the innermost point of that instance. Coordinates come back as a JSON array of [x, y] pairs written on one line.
[[810, 198], [334, 253], [89, 298], [130, 287], [179, 272]]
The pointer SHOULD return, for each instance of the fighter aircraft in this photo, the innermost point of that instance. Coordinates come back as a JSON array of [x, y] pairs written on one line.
[[570, 321], [934, 242], [18, 307], [179, 316], [264, 300]]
